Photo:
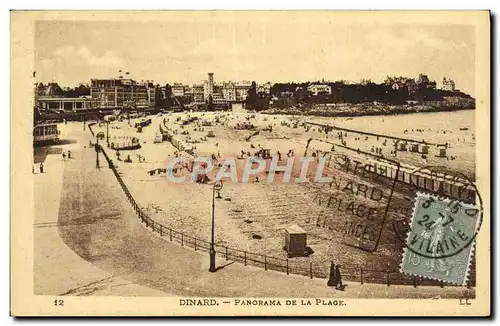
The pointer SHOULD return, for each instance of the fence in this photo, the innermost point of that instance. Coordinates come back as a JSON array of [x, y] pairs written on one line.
[[90, 124], [288, 266]]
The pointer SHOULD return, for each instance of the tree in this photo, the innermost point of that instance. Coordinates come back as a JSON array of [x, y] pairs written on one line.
[[252, 97]]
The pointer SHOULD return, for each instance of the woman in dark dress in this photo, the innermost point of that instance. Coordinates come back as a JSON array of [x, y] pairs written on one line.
[[332, 280]]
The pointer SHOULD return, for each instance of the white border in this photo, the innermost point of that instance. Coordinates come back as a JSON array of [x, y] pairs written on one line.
[[190, 4]]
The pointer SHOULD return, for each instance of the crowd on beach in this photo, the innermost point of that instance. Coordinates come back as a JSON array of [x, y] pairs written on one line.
[[188, 128]]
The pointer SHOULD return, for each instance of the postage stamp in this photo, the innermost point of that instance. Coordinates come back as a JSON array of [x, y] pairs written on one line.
[[440, 243]]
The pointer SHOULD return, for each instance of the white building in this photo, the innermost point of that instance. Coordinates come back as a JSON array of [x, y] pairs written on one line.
[[242, 90], [235, 92], [229, 91], [316, 89], [448, 85], [208, 87], [178, 90], [264, 88]]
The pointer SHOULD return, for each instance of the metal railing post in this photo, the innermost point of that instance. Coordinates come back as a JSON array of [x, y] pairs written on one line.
[[388, 278], [287, 272], [265, 262], [361, 274], [311, 269], [245, 254]]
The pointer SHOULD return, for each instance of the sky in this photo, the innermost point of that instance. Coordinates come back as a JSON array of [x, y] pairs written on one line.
[[72, 52]]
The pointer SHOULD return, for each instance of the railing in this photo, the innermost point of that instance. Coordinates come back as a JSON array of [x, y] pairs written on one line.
[[90, 124], [307, 268]]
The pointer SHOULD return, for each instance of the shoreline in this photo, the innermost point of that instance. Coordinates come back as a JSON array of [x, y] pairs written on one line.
[[358, 113], [356, 110]]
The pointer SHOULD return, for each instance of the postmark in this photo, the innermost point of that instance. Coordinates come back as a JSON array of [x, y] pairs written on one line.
[[441, 239], [360, 192], [439, 181]]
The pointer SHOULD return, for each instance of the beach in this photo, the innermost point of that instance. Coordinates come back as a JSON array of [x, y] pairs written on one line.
[[253, 216]]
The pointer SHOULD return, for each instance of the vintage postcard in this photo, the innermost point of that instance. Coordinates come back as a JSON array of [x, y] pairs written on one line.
[[250, 163]]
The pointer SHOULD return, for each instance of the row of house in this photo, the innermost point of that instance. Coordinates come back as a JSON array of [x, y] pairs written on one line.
[[219, 93], [413, 85], [124, 92], [109, 93]]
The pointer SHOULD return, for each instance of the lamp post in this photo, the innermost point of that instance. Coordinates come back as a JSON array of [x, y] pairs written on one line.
[[97, 152], [217, 187], [107, 132]]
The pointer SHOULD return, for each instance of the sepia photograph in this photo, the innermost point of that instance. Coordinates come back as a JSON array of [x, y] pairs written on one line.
[[250, 163]]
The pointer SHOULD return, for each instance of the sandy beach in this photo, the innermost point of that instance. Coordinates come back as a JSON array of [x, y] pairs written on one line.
[[253, 216]]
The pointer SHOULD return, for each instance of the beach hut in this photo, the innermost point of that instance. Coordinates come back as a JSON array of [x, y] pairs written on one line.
[[414, 148], [295, 241], [441, 152], [158, 138], [424, 149], [402, 146]]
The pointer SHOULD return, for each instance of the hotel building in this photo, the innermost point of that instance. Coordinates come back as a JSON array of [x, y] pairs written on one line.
[[122, 93]]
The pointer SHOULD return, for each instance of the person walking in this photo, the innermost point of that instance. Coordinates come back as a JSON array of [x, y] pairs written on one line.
[[69, 154], [338, 278], [64, 156], [332, 281], [41, 167]]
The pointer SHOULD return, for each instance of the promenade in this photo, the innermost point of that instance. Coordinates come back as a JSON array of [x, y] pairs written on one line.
[[88, 241], [58, 270]]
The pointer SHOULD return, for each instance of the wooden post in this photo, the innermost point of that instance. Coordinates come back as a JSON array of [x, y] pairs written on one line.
[[265, 262], [245, 257], [311, 269], [182, 239], [287, 273], [388, 278], [194, 244], [226, 254], [414, 281], [170, 234], [161, 230], [361, 274]]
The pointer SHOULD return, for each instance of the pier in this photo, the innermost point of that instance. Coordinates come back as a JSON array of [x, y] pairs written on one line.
[[366, 133]]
